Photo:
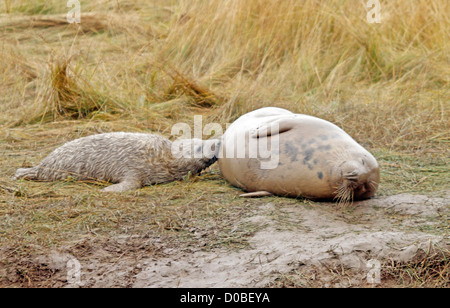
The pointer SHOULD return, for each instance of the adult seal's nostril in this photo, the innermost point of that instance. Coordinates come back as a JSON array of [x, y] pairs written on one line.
[[315, 158]]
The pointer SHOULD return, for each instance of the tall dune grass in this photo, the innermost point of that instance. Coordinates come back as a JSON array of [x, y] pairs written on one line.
[[386, 84]]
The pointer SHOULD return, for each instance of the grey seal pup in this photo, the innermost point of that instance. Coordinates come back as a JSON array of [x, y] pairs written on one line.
[[129, 160]]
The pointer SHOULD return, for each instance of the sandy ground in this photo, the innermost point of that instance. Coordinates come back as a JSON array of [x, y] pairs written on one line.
[[308, 240]]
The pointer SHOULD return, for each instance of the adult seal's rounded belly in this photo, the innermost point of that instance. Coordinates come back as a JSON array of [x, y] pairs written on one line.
[[274, 150]]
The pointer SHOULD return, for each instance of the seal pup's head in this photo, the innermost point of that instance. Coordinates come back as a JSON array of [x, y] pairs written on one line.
[[201, 152]]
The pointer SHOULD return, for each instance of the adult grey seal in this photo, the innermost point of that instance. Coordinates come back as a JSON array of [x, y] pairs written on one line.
[[306, 156], [130, 160]]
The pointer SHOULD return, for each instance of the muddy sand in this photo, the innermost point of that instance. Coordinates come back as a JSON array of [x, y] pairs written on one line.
[[309, 240]]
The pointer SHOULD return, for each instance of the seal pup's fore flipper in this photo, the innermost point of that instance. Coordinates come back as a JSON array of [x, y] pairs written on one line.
[[26, 174], [125, 185], [256, 194], [273, 128]]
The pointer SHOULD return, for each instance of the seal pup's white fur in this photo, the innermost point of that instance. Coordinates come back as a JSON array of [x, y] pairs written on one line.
[[129, 160]]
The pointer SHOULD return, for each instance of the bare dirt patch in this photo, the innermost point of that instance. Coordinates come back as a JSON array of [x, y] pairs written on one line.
[[299, 236], [310, 244]]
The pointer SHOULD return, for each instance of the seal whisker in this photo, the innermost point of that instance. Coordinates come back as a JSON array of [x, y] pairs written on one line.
[[372, 184], [344, 194]]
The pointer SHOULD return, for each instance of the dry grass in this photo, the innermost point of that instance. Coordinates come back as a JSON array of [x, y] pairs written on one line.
[[430, 268], [386, 84], [146, 65]]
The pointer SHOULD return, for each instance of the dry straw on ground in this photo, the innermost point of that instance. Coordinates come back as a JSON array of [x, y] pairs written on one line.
[[387, 84]]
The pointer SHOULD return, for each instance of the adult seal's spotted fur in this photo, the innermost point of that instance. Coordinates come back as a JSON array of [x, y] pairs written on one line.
[[129, 160], [310, 157]]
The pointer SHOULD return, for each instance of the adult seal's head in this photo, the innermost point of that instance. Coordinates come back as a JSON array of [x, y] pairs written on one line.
[[274, 150]]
